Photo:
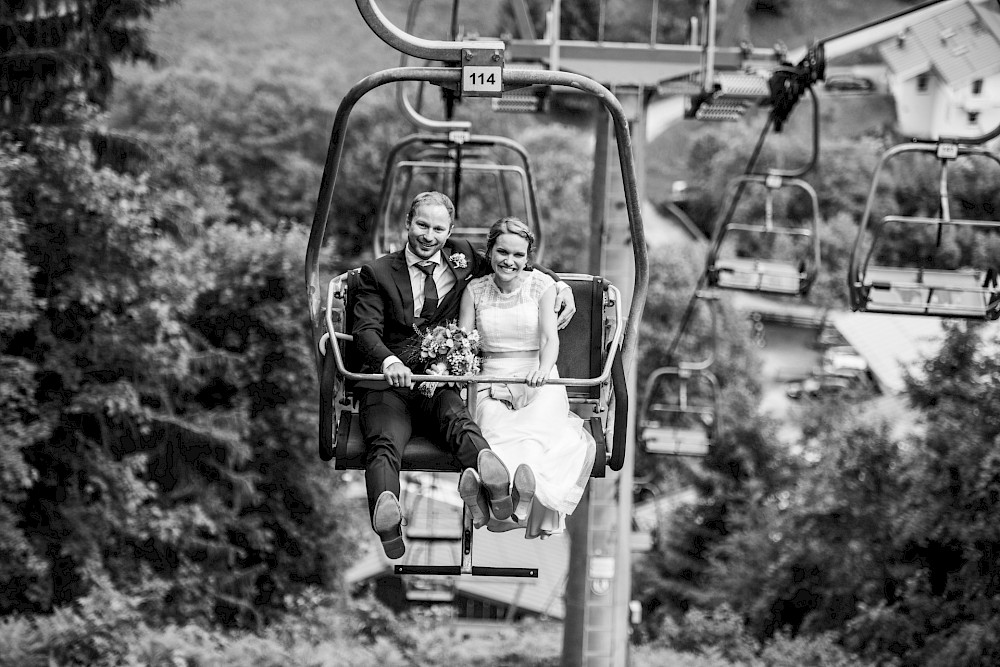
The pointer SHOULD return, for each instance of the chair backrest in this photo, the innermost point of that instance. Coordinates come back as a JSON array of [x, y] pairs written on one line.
[[581, 343], [352, 360]]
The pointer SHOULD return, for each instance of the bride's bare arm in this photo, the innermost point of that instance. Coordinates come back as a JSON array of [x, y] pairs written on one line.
[[467, 312], [548, 333]]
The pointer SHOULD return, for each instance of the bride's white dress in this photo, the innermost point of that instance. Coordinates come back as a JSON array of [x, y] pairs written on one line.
[[525, 424]]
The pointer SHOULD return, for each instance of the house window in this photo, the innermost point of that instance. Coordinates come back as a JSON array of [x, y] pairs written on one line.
[[922, 82], [977, 87], [973, 117]]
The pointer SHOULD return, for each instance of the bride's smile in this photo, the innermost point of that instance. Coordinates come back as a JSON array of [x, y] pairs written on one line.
[[508, 258]]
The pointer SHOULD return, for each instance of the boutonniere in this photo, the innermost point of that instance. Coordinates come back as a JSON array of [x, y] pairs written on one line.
[[458, 260]]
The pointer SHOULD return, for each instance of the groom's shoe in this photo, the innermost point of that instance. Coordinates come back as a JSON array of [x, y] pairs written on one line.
[[387, 521], [523, 492], [471, 490], [496, 479]]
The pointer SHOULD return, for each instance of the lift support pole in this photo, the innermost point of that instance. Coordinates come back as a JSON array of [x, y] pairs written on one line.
[[599, 585]]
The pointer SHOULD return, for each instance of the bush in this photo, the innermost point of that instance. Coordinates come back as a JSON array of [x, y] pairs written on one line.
[[812, 651], [720, 632], [93, 632]]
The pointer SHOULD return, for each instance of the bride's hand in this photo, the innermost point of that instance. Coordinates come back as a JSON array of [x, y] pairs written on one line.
[[537, 378]]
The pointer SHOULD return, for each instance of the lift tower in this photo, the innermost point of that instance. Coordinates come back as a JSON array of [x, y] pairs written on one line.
[[599, 587]]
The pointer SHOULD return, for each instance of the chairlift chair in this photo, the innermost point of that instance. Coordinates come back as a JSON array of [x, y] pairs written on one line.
[[679, 411], [924, 287], [593, 347], [781, 271], [789, 275], [589, 363]]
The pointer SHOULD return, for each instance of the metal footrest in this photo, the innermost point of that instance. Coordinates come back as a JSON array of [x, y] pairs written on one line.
[[477, 571], [721, 111], [749, 87], [514, 103], [455, 570]]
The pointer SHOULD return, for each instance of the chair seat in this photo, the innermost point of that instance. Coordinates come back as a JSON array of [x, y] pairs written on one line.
[[759, 276], [677, 441], [422, 454], [938, 292]]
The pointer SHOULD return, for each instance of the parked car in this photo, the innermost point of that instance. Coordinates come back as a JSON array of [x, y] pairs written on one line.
[[843, 359], [823, 385], [846, 83]]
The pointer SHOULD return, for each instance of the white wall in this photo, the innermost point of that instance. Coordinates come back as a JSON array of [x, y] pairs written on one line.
[[940, 111]]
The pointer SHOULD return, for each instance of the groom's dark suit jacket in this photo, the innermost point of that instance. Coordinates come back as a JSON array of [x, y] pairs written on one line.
[[383, 306]]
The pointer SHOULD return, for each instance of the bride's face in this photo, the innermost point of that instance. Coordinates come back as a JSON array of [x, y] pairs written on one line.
[[508, 258]]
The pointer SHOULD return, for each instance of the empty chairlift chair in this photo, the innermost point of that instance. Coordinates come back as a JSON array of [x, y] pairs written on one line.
[[766, 255], [949, 266], [679, 411]]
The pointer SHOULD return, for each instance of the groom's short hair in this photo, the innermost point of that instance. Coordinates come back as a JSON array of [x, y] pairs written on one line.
[[429, 199]]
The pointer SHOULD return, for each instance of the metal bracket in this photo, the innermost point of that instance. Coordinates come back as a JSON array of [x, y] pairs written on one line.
[[482, 72]]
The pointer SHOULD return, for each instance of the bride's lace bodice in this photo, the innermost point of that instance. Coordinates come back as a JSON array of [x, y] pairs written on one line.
[[509, 322]]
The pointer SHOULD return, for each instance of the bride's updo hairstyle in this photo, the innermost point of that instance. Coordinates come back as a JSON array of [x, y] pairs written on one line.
[[509, 225]]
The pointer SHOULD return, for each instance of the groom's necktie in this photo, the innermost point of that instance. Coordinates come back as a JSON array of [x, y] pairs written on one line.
[[430, 290]]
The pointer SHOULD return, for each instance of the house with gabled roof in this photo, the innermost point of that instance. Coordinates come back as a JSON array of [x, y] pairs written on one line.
[[944, 73]]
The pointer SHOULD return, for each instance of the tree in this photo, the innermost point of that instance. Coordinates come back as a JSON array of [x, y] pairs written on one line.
[[944, 526], [52, 50]]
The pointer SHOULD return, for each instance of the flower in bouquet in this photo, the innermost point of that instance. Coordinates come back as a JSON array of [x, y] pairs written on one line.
[[447, 349]]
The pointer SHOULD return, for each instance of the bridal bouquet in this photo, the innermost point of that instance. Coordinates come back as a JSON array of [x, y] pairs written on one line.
[[447, 349]]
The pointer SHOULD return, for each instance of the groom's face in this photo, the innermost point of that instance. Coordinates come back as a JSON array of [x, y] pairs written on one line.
[[428, 229]]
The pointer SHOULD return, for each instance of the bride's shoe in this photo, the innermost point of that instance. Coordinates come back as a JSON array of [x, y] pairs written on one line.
[[523, 492], [471, 490]]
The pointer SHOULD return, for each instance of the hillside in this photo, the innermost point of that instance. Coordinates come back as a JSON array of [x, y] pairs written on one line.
[[326, 45], [326, 42]]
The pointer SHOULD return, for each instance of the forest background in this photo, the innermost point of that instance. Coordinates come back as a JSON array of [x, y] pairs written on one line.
[[160, 495]]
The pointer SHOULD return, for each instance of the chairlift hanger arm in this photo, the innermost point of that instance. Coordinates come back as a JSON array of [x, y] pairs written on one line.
[[418, 120], [880, 29], [426, 49], [972, 141]]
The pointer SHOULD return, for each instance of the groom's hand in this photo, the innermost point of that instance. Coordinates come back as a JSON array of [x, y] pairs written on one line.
[[398, 375], [565, 306]]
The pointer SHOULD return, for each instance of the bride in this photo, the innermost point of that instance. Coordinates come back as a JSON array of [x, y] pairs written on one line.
[[529, 426]]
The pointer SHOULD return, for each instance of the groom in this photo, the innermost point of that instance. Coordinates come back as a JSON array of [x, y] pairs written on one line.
[[421, 285]]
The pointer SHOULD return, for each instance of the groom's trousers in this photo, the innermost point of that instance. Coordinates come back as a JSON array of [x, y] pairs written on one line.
[[390, 416]]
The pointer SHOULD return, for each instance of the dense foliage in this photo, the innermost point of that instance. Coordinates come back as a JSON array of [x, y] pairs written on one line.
[[159, 430]]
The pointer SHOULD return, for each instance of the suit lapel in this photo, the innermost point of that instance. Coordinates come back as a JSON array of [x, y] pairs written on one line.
[[401, 277]]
